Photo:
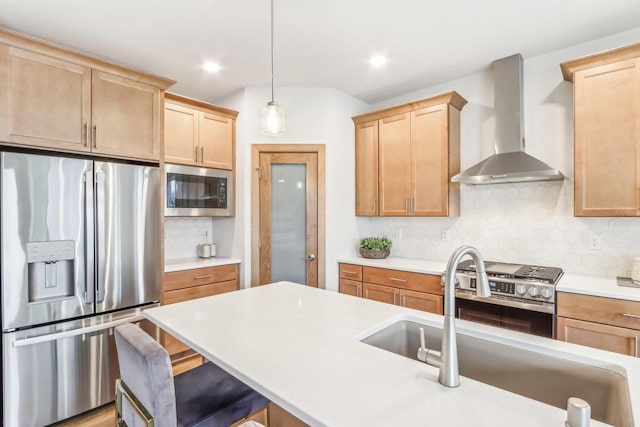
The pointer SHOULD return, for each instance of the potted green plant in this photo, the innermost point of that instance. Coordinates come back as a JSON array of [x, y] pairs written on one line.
[[375, 247]]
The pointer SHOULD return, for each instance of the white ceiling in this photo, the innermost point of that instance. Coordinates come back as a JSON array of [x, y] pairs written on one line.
[[323, 43]]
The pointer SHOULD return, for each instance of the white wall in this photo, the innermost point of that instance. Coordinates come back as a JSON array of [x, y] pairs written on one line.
[[313, 116], [530, 223]]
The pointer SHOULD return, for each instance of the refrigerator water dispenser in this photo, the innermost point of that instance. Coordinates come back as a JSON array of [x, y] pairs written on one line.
[[51, 270]]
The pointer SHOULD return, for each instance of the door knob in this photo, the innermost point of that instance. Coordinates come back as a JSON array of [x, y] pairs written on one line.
[[311, 257]]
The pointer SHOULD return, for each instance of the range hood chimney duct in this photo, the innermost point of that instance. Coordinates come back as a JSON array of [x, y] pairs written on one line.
[[510, 163]]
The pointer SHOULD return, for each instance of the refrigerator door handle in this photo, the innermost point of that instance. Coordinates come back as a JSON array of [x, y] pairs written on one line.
[[89, 279], [100, 235], [74, 332]]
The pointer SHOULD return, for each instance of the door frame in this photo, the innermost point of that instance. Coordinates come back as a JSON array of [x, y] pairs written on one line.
[[256, 149]]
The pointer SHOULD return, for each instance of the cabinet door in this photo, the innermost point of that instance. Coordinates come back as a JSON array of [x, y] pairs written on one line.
[[44, 102], [607, 138], [604, 337], [394, 145], [216, 135], [429, 161], [380, 293], [350, 287], [367, 169], [421, 301], [126, 117], [180, 134]]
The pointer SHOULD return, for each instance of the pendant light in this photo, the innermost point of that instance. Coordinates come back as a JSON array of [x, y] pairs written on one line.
[[272, 114]]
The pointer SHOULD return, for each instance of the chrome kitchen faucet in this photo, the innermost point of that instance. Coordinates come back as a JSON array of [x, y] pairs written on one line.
[[447, 359]]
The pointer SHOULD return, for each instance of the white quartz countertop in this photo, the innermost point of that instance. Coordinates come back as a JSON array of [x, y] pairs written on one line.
[[597, 286], [300, 347], [574, 283], [397, 263], [191, 263]]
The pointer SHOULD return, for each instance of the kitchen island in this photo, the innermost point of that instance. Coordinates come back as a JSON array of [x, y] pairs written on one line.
[[300, 347]]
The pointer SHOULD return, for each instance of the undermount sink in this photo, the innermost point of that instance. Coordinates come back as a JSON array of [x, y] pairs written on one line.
[[532, 374]]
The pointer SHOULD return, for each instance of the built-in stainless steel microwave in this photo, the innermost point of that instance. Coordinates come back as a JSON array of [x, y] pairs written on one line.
[[193, 191]]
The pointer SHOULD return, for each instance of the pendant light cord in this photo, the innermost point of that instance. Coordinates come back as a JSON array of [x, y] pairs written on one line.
[[272, 98]]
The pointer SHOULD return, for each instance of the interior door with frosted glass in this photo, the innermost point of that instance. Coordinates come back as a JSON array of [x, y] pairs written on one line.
[[289, 218]]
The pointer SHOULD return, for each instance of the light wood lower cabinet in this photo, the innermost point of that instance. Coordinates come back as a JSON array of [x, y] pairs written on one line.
[[380, 293], [421, 301], [185, 285], [404, 288], [604, 323], [604, 337], [351, 287]]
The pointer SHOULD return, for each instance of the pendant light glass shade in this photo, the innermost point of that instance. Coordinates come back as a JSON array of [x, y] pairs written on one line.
[[272, 114], [272, 119]]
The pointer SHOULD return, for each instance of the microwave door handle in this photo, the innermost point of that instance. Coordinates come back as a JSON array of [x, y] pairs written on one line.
[[100, 234], [89, 249]]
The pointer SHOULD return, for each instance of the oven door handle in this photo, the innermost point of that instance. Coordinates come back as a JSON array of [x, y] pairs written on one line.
[[541, 308]]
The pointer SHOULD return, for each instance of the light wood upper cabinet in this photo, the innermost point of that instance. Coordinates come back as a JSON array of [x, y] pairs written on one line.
[[199, 134], [435, 158], [418, 147], [367, 168], [125, 117], [60, 100], [180, 133], [45, 102], [216, 140], [606, 132], [394, 144]]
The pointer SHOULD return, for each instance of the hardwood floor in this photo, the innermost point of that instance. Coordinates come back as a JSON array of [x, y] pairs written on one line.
[[104, 416]]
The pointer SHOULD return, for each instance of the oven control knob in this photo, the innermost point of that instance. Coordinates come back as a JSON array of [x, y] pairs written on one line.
[[533, 291], [521, 289], [546, 293]]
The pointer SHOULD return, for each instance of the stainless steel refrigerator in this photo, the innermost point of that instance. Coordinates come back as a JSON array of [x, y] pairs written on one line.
[[80, 254]]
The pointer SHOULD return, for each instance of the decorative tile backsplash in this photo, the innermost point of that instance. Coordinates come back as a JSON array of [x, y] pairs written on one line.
[[530, 223], [182, 235]]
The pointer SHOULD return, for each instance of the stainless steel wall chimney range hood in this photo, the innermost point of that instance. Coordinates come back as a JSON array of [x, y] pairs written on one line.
[[510, 163]]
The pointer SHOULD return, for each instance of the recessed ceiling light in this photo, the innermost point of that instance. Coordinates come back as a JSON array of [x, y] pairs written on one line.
[[212, 67], [378, 61]]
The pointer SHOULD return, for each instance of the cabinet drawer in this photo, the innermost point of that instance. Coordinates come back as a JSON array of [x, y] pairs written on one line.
[[351, 287], [351, 272], [609, 311], [421, 301], [173, 345], [170, 297], [199, 276], [403, 279], [604, 337]]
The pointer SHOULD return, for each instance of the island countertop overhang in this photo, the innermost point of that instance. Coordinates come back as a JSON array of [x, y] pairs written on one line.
[[301, 348]]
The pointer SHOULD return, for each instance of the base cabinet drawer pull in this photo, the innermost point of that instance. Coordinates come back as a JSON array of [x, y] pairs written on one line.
[[633, 316], [393, 279], [352, 273], [206, 276], [636, 343]]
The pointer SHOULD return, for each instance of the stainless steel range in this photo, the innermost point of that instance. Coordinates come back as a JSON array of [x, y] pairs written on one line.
[[522, 296]]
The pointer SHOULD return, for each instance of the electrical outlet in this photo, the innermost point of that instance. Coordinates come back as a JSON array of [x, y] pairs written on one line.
[[444, 235], [595, 242], [399, 233]]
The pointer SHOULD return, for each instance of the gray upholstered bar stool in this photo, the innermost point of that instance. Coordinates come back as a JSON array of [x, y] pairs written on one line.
[[206, 396]]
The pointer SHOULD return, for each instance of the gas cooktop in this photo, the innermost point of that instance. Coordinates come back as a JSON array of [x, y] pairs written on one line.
[[504, 270]]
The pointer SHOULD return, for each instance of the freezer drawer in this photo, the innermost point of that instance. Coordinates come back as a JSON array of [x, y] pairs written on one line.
[[55, 372]]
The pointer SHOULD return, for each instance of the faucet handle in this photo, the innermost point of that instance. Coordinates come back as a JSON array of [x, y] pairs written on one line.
[[422, 350]]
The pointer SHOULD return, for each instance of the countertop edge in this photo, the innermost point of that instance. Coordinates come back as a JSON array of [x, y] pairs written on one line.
[[194, 263]]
